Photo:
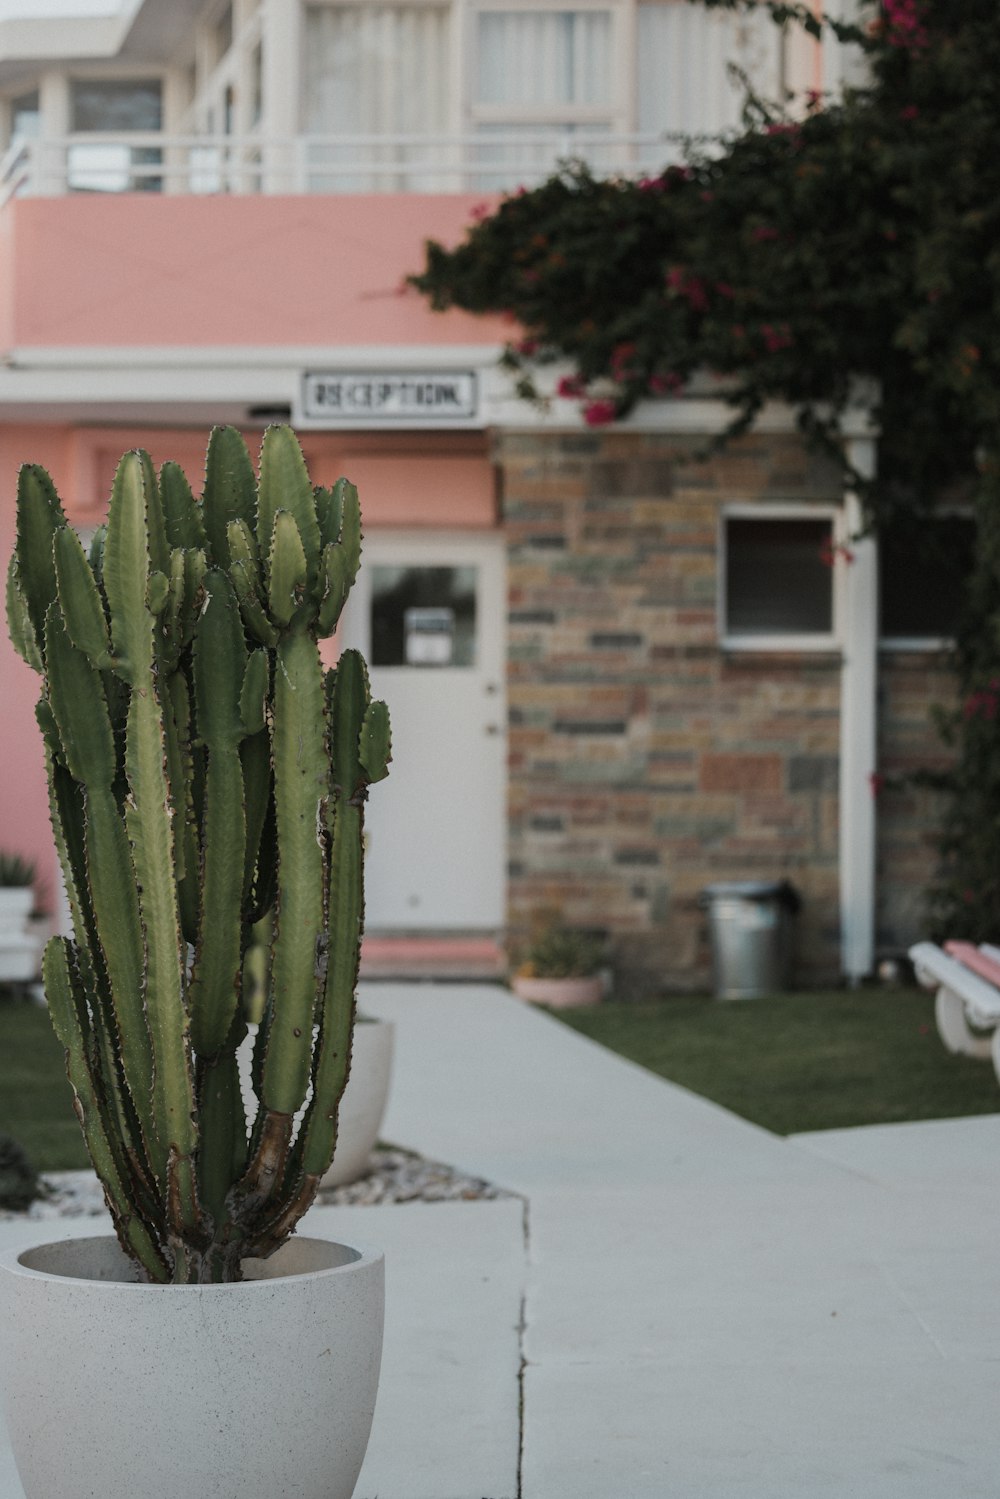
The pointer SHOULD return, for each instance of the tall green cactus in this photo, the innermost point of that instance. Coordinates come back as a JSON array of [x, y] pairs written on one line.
[[204, 772]]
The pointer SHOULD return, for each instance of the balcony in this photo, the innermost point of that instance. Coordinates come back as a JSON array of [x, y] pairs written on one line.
[[495, 161]]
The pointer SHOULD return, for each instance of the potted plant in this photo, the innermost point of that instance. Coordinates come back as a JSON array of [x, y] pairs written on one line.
[[203, 771], [561, 965], [19, 948]]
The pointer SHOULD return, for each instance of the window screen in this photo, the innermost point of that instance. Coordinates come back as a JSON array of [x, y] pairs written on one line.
[[779, 578]]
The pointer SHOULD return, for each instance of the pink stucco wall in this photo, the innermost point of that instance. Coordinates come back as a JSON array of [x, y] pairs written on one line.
[[140, 269]]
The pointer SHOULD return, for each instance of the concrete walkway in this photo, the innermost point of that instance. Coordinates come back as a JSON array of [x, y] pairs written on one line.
[[677, 1305]]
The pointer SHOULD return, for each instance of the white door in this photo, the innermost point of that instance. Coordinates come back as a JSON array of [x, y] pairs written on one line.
[[428, 612]]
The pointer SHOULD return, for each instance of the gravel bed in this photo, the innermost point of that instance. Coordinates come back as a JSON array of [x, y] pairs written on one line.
[[396, 1176]]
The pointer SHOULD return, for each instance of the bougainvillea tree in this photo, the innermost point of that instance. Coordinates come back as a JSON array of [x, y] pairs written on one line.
[[835, 244]]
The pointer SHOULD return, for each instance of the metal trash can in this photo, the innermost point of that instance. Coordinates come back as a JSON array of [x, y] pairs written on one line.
[[751, 925]]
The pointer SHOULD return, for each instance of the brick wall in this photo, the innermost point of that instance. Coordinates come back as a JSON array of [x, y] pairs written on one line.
[[645, 762]]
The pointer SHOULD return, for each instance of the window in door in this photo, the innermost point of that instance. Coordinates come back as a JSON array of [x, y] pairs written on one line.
[[423, 617]]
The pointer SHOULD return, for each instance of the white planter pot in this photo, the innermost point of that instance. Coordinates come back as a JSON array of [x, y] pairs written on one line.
[[363, 1104], [18, 959], [121, 1390], [16, 905], [560, 993]]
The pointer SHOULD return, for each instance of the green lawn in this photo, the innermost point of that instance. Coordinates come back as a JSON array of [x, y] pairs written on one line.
[[802, 1061], [792, 1062], [36, 1102]]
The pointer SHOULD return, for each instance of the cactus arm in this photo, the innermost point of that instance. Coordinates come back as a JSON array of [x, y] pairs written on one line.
[[251, 608], [65, 1010], [255, 757], [375, 742], [287, 569], [148, 818], [79, 599], [349, 706], [219, 665], [181, 515], [329, 511], [300, 791], [80, 716], [222, 1157], [335, 588], [350, 525], [126, 573], [285, 485], [177, 737], [19, 624], [39, 517], [229, 490]]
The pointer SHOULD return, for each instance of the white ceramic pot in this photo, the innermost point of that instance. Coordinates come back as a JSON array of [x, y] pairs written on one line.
[[362, 1106], [125, 1390], [16, 905], [359, 1118], [568, 993]]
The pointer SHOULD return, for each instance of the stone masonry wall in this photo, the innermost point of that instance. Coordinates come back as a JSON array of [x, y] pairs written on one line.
[[645, 762]]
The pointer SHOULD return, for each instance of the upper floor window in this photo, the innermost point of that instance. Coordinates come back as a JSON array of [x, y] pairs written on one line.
[[543, 86], [25, 116], [373, 69], [114, 106]]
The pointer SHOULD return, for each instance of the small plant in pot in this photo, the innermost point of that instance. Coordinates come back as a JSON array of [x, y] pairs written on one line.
[[204, 771], [561, 965]]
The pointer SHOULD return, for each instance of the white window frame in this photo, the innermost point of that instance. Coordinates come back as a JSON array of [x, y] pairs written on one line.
[[831, 640]]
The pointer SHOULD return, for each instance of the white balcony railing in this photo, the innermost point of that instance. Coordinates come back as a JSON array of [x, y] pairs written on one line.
[[489, 162]]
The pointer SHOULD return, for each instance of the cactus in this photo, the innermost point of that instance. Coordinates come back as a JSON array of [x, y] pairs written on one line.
[[205, 773]]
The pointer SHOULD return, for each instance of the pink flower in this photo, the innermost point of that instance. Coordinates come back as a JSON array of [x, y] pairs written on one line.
[[877, 782], [664, 385], [775, 339], [910, 112], [599, 413], [480, 211], [763, 233], [526, 347], [725, 290], [570, 387]]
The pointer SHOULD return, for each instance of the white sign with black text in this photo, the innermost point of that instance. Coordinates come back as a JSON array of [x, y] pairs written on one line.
[[380, 398]]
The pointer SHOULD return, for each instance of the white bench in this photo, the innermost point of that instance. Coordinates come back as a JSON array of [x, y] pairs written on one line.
[[967, 1006]]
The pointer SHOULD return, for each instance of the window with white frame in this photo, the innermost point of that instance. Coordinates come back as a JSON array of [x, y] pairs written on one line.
[[778, 577], [114, 106]]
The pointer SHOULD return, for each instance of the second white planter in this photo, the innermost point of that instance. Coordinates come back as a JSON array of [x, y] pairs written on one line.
[[359, 1118]]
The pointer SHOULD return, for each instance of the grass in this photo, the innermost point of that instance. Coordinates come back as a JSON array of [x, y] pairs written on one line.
[[36, 1102], [796, 1062], [791, 1062]]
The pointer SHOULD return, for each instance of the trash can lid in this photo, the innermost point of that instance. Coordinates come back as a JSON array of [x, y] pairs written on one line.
[[748, 889]]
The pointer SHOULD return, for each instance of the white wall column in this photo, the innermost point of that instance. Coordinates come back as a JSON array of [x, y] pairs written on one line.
[[858, 724]]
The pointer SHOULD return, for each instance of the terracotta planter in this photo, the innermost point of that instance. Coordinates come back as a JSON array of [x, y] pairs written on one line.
[[248, 1391], [566, 993]]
